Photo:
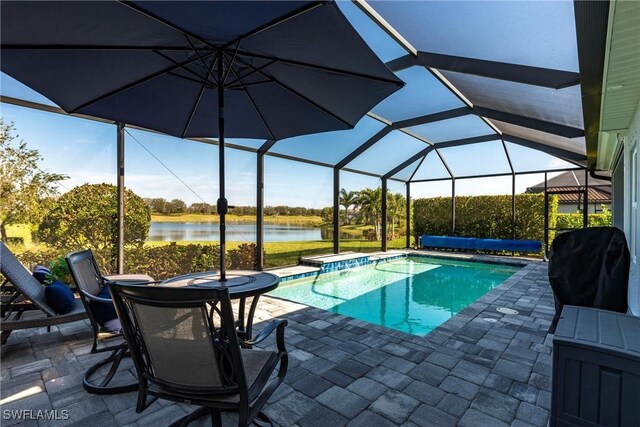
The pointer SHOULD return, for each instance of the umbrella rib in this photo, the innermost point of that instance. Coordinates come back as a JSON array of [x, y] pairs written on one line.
[[298, 94], [200, 79], [239, 79], [275, 22], [195, 106], [87, 47], [253, 104], [244, 85], [233, 58], [321, 67], [135, 83], [199, 56], [148, 14]]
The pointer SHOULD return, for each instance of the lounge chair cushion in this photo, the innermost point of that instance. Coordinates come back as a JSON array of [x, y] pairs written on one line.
[[57, 294], [59, 297], [104, 312], [42, 274]]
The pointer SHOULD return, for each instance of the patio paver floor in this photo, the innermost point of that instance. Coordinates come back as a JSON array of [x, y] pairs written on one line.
[[480, 368]]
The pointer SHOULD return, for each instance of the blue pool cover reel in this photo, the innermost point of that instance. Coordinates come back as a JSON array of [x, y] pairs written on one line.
[[480, 244]]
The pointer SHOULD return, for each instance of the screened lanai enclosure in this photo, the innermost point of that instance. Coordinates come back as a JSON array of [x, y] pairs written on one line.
[[492, 104]]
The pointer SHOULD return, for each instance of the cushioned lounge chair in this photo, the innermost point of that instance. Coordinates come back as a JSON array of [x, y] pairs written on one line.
[[23, 301], [185, 348], [97, 302]]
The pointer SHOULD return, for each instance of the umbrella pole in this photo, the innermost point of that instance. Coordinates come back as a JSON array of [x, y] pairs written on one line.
[[222, 205]]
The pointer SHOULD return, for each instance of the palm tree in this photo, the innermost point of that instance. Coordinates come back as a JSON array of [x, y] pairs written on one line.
[[396, 204], [370, 202], [347, 199]]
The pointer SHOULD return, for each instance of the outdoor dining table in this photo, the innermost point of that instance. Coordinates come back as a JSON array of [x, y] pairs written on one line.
[[242, 284]]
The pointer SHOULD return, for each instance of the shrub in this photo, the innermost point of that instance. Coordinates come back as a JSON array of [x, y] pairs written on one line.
[[370, 234], [484, 216], [244, 257], [162, 262], [575, 220], [52, 258], [86, 217]]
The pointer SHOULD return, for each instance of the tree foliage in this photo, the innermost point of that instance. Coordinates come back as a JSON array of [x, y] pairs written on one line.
[[484, 216], [162, 206], [86, 216], [575, 220], [348, 199], [369, 205], [24, 187]]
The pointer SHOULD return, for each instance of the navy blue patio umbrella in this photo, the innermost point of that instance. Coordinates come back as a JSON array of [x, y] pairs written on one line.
[[243, 69]]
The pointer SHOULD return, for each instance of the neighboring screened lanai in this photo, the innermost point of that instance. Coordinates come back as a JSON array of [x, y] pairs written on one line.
[[493, 89]]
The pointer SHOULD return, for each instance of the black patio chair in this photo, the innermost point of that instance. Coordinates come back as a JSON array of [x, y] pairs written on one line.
[[185, 348], [104, 321]]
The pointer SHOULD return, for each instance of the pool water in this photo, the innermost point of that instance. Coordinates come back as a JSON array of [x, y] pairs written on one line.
[[414, 294]]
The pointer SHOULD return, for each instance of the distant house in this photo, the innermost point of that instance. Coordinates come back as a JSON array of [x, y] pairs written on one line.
[[599, 193]]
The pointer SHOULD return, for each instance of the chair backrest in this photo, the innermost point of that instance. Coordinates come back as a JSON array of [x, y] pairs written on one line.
[[22, 279], [85, 271], [183, 339]]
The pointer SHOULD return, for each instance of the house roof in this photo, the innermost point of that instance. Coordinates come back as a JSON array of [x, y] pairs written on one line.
[[571, 181]]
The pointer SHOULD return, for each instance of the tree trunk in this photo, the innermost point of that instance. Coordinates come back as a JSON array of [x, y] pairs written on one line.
[[3, 232], [393, 227]]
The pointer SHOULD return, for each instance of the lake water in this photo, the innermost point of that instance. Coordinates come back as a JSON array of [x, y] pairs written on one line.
[[236, 232]]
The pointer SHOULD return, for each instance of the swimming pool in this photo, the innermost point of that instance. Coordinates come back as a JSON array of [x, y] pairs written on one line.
[[413, 294]]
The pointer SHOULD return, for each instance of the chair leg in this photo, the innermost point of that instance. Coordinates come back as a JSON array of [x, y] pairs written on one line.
[[5, 336], [114, 359], [216, 419]]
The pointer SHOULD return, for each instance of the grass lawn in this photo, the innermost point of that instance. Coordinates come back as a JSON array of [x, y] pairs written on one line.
[[355, 230], [20, 231], [274, 219], [287, 253]]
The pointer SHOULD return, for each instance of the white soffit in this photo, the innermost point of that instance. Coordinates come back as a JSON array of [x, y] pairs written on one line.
[[622, 68]]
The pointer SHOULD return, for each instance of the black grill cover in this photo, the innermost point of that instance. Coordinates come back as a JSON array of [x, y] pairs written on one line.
[[589, 268]]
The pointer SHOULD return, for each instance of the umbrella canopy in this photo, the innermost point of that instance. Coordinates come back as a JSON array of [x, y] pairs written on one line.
[[243, 69]]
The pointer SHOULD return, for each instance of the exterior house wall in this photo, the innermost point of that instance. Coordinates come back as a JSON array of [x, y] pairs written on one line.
[[617, 194], [631, 211]]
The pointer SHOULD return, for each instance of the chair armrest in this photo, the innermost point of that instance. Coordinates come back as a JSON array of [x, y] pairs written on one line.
[[128, 281], [128, 278], [93, 297], [278, 324]]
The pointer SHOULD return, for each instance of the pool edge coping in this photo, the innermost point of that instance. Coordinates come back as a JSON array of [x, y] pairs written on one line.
[[387, 257]]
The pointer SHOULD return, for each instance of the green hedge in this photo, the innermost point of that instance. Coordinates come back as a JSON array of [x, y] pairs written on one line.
[[574, 220], [159, 262], [484, 216]]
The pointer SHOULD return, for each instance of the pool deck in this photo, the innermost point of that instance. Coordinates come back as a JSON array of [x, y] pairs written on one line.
[[480, 368]]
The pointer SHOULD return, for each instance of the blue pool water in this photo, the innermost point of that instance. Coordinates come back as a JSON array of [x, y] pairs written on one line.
[[414, 294]]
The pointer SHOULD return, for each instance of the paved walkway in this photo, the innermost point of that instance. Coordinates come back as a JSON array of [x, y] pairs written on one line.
[[480, 368]]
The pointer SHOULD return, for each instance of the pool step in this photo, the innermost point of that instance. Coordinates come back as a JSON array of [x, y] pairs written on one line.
[[336, 262]]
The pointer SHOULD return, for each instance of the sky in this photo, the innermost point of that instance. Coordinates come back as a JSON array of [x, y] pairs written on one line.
[[167, 167]]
